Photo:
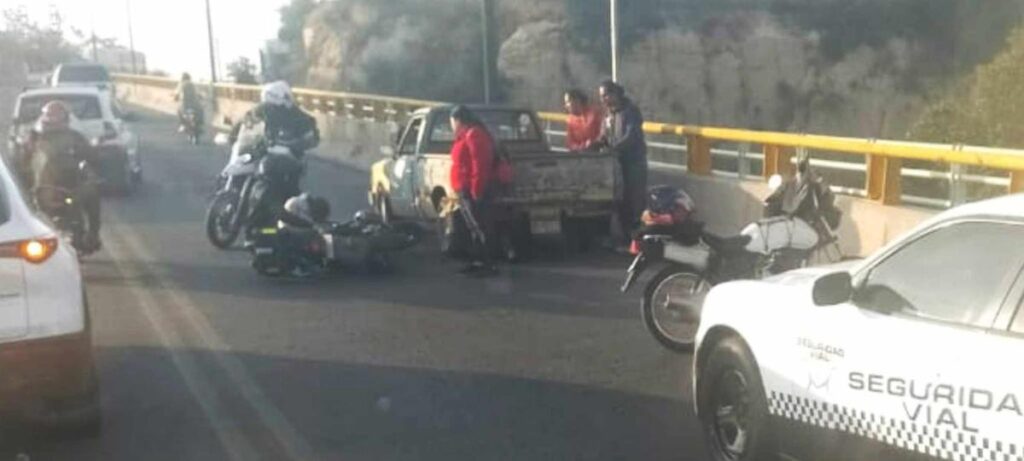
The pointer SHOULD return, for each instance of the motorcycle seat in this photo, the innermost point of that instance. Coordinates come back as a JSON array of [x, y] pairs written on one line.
[[726, 244]]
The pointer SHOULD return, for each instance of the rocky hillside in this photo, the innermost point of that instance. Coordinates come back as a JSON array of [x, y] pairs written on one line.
[[852, 67]]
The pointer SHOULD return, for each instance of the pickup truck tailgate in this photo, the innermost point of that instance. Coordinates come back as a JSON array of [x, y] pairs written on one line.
[[562, 178]]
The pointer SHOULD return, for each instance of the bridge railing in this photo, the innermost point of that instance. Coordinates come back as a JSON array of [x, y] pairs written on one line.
[[890, 172]]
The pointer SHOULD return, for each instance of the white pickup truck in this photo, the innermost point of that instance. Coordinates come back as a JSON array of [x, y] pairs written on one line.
[[570, 194]]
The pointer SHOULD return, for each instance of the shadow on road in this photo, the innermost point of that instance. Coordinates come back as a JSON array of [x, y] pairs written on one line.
[[359, 411]]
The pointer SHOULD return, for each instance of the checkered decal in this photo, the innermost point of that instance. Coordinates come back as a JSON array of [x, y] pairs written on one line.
[[941, 443]]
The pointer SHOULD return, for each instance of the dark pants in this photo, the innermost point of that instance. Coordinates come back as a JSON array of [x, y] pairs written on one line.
[[89, 196], [634, 194], [482, 210]]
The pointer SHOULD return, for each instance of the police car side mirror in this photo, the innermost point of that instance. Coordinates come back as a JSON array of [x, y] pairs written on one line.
[[832, 289]]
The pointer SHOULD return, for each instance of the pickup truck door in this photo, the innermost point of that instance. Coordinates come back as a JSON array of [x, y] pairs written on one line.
[[906, 369], [402, 174]]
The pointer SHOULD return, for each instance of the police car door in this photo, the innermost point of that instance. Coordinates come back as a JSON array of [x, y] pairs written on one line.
[[905, 369]]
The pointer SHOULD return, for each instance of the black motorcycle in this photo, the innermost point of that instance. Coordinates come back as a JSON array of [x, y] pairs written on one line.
[[191, 121], [62, 207], [261, 174], [310, 249], [693, 262]]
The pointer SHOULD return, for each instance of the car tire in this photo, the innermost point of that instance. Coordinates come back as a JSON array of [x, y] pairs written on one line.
[[732, 406], [384, 208], [85, 418]]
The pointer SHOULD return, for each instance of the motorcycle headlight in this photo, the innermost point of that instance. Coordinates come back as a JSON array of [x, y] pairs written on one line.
[[245, 158]]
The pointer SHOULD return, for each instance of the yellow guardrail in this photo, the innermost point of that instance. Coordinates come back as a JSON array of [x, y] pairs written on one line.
[[883, 157]]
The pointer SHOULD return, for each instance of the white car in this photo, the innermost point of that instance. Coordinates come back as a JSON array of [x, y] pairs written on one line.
[[82, 75], [97, 115], [47, 373], [913, 353]]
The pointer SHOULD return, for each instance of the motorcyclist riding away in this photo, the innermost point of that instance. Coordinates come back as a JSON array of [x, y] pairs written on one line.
[[53, 155], [188, 98]]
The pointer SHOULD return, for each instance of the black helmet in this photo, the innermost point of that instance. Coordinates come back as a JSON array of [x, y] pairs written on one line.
[[669, 200]]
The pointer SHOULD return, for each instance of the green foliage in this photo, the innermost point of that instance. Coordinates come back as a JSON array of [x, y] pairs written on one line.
[[39, 47], [986, 107], [242, 71]]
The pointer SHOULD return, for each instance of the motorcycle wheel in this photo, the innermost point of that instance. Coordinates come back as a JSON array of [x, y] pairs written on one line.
[[218, 220], [672, 304]]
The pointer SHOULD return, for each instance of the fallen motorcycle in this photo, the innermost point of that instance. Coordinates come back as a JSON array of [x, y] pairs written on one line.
[[308, 248]]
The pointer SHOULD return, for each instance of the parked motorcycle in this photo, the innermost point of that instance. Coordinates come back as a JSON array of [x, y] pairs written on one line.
[[695, 261], [311, 246], [261, 172], [192, 124]]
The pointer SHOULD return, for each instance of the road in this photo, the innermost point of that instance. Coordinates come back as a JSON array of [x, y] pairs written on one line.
[[199, 358]]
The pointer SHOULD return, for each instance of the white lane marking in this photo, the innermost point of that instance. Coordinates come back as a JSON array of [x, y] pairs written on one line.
[[286, 434], [234, 443]]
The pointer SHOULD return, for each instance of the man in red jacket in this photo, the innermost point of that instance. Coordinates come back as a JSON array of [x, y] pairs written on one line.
[[472, 175]]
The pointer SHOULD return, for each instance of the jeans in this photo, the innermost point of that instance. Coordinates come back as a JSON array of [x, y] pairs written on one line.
[[482, 211]]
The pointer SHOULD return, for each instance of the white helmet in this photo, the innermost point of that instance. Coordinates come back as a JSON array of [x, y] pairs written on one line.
[[277, 93]]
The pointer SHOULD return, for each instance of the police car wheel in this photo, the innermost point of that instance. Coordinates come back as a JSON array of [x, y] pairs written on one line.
[[733, 407]]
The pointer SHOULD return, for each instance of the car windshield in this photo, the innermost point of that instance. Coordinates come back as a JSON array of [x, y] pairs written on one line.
[[83, 74], [85, 107]]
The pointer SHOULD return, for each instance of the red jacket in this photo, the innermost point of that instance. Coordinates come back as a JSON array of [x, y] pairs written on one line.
[[584, 128], [472, 162]]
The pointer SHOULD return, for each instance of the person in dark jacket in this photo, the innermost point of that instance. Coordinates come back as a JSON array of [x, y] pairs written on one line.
[[623, 134], [472, 177], [53, 153]]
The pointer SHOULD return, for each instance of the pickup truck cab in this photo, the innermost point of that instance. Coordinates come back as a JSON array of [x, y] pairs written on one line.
[[552, 192]]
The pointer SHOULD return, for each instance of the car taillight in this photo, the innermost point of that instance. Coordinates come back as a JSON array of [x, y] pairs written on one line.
[[32, 250]]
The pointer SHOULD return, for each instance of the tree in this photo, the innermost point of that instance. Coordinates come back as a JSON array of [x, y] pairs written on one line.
[[242, 71], [37, 47]]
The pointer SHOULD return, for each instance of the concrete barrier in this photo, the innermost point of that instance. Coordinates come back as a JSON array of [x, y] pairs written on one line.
[[726, 205]]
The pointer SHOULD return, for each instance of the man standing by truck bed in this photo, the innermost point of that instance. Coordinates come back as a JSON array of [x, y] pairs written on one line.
[[624, 135]]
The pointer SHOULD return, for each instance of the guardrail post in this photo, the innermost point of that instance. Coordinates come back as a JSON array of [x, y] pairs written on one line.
[[742, 162], [1016, 181], [957, 189], [777, 160], [698, 155], [883, 179]]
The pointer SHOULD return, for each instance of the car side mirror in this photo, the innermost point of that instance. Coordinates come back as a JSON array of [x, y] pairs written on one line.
[[832, 289], [387, 151], [221, 139]]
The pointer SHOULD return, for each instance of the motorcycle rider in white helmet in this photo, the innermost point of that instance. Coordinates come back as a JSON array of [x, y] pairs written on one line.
[[282, 116]]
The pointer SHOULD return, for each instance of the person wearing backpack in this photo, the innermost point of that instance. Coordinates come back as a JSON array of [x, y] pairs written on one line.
[[474, 176], [53, 155]]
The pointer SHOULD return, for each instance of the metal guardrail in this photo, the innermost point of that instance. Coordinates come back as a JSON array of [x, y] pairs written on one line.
[[879, 161]]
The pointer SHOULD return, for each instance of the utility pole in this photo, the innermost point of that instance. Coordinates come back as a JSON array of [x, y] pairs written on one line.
[[131, 36], [209, 36], [614, 21], [485, 25]]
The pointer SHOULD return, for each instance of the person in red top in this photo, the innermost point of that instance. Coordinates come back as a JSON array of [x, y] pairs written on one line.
[[472, 175], [583, 128]]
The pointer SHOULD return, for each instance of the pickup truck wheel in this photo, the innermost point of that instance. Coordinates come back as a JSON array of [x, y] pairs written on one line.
[[384, 208], [733, 408]]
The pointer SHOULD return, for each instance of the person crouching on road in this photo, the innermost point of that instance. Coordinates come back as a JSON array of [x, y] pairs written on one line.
[[583, 128], [471, 178], [624, 136]]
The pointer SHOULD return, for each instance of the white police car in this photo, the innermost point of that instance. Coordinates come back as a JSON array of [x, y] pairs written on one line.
[[47, 372], [916, 352]]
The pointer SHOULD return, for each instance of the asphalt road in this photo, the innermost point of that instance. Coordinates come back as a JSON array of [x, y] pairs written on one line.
[[200, 358]]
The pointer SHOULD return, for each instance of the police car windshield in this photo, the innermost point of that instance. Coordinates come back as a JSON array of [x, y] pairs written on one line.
[[85, 107]]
